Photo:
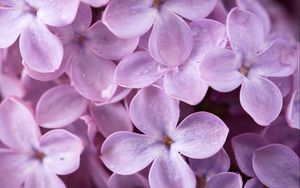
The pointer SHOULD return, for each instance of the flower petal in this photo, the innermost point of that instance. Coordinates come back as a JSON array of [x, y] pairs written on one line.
[[292, 111], [62, 151], [137, 17], [130, 181], [92, 77], [185, 84], [18, 127], [11, 86], [171, 40], [138, 70], [254, 183], [243, 146], [225, 180], [200, 135], [104, 43], [14, 168], [37, 46], [154, 112], [245, 32], [190, 9], [96, 3], [220, 162], [277, 166], [261, 99], [127, 153], [60, 106], [171, 171], [111, 118], [219, 69], [54, 12], [207, 34]]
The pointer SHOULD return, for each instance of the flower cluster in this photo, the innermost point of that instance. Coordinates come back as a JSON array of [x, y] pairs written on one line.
[[149, 93]]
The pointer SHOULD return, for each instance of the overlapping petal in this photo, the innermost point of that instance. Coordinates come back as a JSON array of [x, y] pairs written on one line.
[[129, 181], [292, 111], [225, 180]]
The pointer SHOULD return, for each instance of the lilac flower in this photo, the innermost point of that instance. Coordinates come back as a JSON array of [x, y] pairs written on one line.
[[174, 59], [248, 65], [87, 54], [200, 135], [293, 109], [28, 18], [225, 180], [32, 160], [139, 15], [129, 181], [96, 3]]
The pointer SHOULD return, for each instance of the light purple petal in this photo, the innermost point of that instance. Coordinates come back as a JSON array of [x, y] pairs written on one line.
[[127, 153], [190, 9], [225, 180], [243, 146], [278, 60], [96, 3], [254, 183], [37, 46], [154, 112], [18, 127], [12, 23], [60, 106], [185, 84], [206, 168], [130, 181], [219, 69], [171, 171], [14, 168], [292, 111], [11, 86], [138, 70], [256, 8], [285, 84], [92, 77], [207, 34], [261, 99], [62, 151], [277, 166], [58, 12], [171, 40], [200, 135], [245, 32], [111, 118], [129, 18], [104, 43]]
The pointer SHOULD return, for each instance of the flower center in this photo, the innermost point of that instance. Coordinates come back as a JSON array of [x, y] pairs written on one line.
[[39, 155], [244, 70], [157, 3], [201, 182], [80, 38], [167, 141]]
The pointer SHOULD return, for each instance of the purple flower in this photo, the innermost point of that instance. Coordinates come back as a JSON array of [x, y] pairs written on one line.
[[28, 18], [33, 160], [249, 64], [129, 181], [200, 135]]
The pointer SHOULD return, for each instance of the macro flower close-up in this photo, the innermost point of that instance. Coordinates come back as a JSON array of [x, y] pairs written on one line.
[[149, 94]]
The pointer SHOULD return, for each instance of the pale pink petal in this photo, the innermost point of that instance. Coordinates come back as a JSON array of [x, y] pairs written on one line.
[[37, 46], [261, 99], [11, 86], [190, 9], [138, 70], [82, 20], [127, 153], [171, 40], [154, 112], [200, 135], [207, 34], [96, 3], [185, 84], [292, 111], [219, 13], [110, 118], [129, 18], [62, 151], [18, 127], [256, 8], [92, 77], [43, 178], [58, 12], [219, 69], [245, 32], [104, 43], [129, 181], [12, 24], [278, 60], [171, 171], [14, 168], [225, 180], [60, 106]]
